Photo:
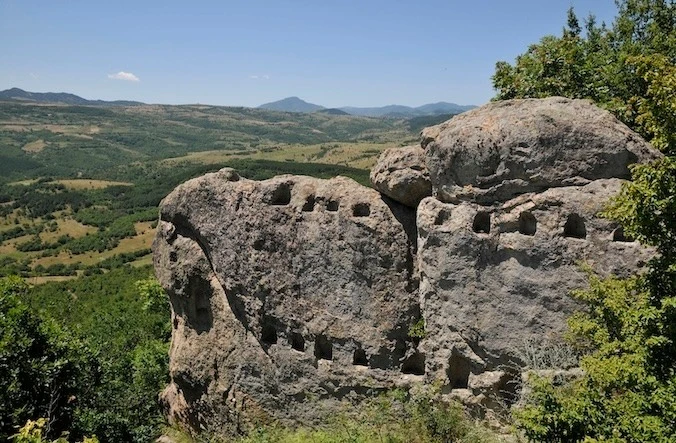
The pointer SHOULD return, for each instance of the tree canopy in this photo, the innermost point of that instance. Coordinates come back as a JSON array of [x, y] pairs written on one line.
[[628, 67]]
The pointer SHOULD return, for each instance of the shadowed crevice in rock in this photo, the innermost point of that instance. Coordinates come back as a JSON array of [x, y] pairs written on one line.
[[407, 218], [575, 227]]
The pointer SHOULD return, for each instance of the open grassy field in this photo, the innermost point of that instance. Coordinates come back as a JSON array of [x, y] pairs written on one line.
[[85, 183], [361, 155], [80, 185]]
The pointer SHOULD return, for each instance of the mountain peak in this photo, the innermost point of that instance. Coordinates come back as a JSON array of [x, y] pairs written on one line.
[[291, 104]]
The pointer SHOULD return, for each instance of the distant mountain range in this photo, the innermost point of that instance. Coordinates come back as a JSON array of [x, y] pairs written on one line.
[[295, 104], [289, 104], [59, 97]]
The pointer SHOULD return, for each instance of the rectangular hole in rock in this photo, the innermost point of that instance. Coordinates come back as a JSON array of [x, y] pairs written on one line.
[[442, 217], [281, 195], [269, 334], [575, 227], [332, 205], [323, 348], [361, 210], [527, 223], [415, 364], [359, 358], [482, 223], [309, 204], [620, 236], [458, 371], [297, 341]]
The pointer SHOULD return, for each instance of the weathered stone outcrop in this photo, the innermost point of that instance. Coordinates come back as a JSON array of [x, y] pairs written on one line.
[[284, 292], [512, 147], [400, 173], [294, 295], [494, 277]]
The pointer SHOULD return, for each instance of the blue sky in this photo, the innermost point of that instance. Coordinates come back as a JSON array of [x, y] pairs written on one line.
[[333, 53]]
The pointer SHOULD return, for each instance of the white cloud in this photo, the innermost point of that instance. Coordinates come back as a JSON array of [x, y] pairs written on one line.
[[263, 77], [127, 76], [33, 75]]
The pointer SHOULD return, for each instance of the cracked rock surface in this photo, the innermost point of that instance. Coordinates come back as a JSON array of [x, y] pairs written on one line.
[[292, 298], [289, 295]]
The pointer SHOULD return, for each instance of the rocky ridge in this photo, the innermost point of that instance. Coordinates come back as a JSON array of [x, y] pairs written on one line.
[[294, 295]]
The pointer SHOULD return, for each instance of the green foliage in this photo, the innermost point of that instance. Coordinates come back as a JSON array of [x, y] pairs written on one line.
[[44, 370], [628, 333], [417, 329], [32, 432], [657, 109], [627, 68], [646, 206], [394, 417], [127, 325]]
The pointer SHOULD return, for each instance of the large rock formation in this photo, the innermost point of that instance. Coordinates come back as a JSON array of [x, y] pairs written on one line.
[[515, 146], [294, 295], [284, 292]]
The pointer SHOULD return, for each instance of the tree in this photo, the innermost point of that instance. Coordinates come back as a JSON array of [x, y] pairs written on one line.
[[44, 372], [627, 68]]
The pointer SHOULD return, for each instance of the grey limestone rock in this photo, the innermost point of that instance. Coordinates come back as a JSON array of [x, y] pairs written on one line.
[[289, 296], [401, 174], [495, 276], [512, 147], [293, 296]]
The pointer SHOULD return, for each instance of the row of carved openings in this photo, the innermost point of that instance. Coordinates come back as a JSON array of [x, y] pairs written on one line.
[[282, 197], [323, 350], [574, 227]]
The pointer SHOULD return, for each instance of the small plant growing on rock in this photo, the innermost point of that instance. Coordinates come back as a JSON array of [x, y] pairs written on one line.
[[417, 329]]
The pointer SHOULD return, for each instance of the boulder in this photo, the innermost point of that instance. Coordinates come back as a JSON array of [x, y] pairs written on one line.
[[401, 174], [495, 277], [289, 296], [512, 147]]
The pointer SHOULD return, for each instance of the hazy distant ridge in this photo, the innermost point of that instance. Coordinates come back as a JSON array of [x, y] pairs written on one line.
[[59, 97], [289, 104], [295, 104]]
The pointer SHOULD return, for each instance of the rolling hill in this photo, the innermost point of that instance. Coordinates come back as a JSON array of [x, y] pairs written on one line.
[[16, 94]]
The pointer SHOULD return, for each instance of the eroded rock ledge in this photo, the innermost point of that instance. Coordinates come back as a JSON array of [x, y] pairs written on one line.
[[294, 295]]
